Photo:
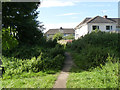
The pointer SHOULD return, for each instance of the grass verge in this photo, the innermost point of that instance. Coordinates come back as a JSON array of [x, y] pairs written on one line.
[[100, 77], [32, 80], [96, 57]]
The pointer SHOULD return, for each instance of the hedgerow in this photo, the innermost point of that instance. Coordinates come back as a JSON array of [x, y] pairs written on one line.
[[93, 49], [48, 59], [96, 58]]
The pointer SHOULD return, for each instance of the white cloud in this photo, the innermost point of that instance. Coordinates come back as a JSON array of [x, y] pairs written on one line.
[[56, 3], [68, 14], [58, 25]]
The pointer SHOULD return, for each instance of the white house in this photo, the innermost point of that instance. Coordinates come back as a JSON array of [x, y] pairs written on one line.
[[102, 23]]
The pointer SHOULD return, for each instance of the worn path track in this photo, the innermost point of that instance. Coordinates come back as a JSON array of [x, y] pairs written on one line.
[[62, 78]]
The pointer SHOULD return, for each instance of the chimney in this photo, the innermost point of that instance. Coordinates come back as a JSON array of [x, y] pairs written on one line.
[[105, 16], [61, 28]]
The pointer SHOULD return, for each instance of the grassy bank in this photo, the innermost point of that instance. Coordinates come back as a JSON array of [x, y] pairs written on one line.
[[105, 76], [31, 80], [96, 61]]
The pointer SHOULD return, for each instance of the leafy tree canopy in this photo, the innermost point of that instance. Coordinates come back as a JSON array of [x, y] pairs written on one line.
[[69, 37], [21, 19], [58, 36], [8, 41]]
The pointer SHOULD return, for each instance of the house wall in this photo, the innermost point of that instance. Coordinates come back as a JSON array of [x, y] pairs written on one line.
[[50, 35], [67, 34], [102, 26], [87, 28], [81, 31]]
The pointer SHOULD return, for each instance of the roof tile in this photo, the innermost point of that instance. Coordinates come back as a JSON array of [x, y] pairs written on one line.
[[64, 31]]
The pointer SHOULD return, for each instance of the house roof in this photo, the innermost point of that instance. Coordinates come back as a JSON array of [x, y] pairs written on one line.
[[63, 30], [117, 20], [99, 19], [84, 21]]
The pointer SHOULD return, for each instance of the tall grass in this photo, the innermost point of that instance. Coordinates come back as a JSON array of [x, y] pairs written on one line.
[[96, 57]]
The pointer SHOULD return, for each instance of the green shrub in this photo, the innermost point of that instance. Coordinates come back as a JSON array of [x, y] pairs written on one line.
[[92, 57], [51, 43], [23, 52], [93, 49], [49, 59], [8, 40], [105, 76], [69, 37], [59, 49], [96, 39], [58, 36], [96, 56]]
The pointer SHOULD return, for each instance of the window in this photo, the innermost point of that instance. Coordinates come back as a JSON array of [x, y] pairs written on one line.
[[108, 27], [95, 27], [77, 35], [111, 27], [64, 34]]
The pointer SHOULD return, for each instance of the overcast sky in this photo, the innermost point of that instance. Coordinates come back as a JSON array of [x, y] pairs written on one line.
[[69, 13]]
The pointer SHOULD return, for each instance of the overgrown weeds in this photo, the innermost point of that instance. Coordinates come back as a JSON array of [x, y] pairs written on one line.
[[96, 57]]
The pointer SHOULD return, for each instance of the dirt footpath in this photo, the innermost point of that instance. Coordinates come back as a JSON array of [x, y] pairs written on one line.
[[62, 78]]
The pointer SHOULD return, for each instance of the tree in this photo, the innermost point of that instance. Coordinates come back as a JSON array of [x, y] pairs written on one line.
[[96, 30], [21, 19], [8, 41], [58, 36], [69, 37]]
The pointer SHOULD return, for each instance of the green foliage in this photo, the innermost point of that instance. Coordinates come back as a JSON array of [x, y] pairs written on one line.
[[51, 43], [8, 41], [96, 57], [58, 36], [30, 80], [92, 57], [69, 37], [96, 30], [21, 18], [59, 49], [29, 51], [49, 59], [96, 39], [23, 51], [92, 50], [50, 37], [104, 77]]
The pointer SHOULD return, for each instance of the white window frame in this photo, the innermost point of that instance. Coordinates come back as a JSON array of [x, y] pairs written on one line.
[[96, 26], [110, 26]]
